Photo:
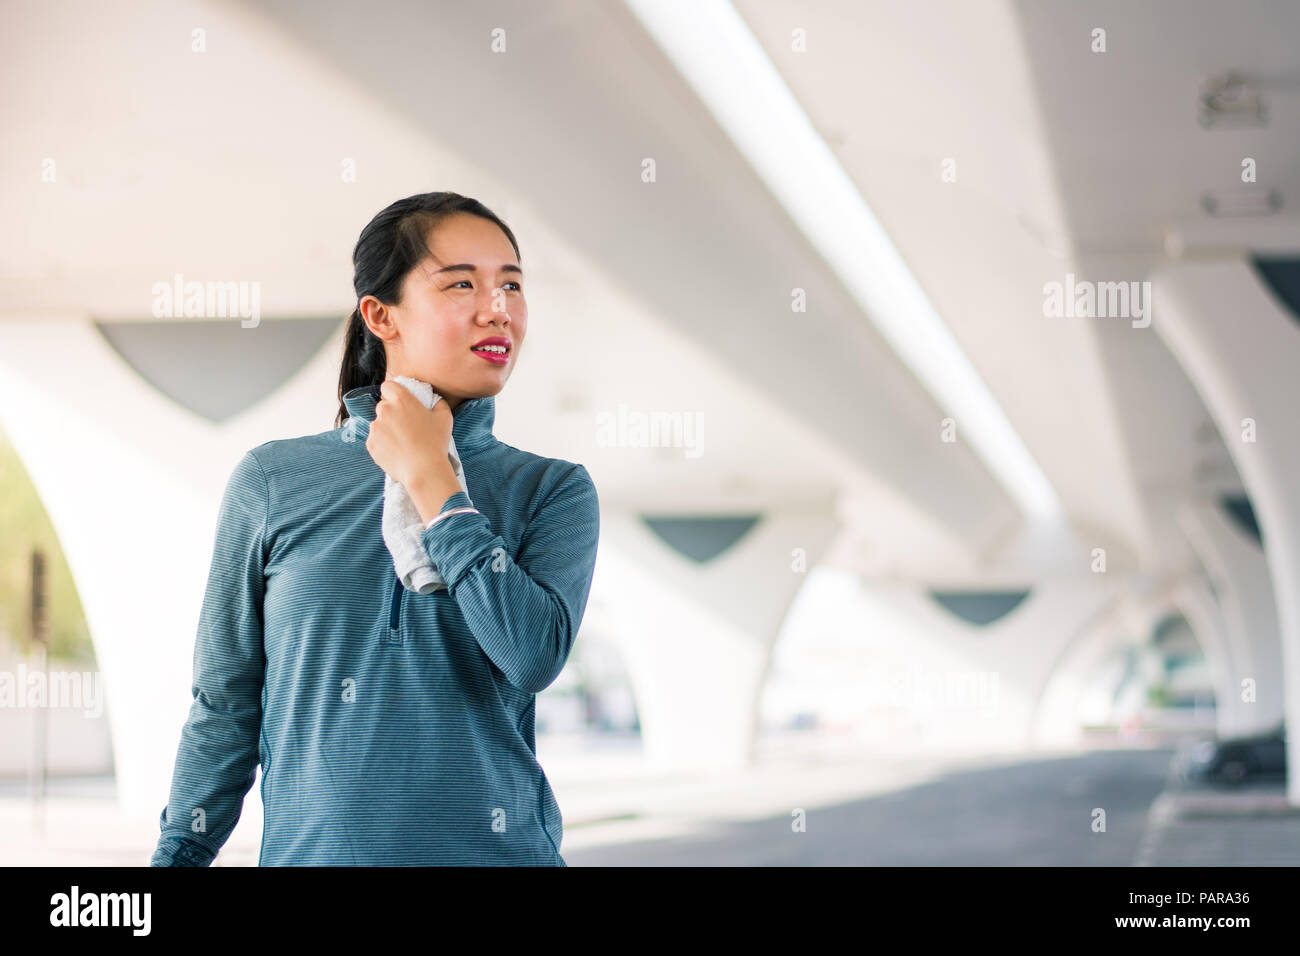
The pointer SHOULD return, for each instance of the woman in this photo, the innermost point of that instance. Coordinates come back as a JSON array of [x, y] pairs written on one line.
[[393, 728]]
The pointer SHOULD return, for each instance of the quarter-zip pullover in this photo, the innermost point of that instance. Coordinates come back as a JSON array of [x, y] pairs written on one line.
[[392, 728]]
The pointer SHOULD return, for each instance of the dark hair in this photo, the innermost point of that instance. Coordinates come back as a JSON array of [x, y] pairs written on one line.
[[391, 245]]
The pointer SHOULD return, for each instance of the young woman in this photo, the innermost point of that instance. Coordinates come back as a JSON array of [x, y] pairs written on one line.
[[392, 728]]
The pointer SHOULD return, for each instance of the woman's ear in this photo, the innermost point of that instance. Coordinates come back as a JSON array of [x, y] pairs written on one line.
[[378, 318]]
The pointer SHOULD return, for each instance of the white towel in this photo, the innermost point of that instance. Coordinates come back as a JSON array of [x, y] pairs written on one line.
[[402, 524]]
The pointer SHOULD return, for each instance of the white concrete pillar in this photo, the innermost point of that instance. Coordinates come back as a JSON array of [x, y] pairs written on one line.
[[1090, 639], [697, 637], [1197, 604], [132, 484], [1241, 350], [1248, 609], [1023, 651]]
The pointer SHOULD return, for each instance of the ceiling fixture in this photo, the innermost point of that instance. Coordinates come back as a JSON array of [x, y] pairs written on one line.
[[1248, 201], [1231, 101]]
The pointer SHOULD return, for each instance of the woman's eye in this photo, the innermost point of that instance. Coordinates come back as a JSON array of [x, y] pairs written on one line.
[[518, 287]]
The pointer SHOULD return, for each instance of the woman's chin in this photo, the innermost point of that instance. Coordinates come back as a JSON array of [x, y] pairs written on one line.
[[493, 386]]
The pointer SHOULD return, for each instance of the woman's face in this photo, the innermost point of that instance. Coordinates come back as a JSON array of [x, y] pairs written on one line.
[[472, 292]]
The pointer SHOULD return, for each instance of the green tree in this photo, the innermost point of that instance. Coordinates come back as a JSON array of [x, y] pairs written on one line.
[[24, 525]]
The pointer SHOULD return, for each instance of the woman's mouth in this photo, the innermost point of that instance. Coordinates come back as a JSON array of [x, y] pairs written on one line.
[[496, 354]]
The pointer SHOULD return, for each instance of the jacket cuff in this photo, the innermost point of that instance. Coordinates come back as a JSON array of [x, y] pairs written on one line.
[[177, 851], [460, 542], [458, 500]]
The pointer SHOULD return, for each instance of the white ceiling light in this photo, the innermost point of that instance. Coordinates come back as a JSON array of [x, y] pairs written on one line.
[[1248, 201], [713, 49]]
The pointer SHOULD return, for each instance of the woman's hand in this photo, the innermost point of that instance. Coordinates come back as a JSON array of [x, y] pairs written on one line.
[[409, 442]]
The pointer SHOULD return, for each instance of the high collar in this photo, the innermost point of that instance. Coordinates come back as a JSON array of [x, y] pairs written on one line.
[[471, 420]]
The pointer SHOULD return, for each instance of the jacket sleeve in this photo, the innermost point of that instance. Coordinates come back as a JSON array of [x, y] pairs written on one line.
[[523, 611], [218, 750]]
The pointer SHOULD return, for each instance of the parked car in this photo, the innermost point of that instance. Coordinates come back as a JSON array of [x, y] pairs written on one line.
[[1239, 760]]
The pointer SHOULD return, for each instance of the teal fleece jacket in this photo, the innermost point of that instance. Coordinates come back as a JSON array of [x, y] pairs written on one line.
[[392, 728]]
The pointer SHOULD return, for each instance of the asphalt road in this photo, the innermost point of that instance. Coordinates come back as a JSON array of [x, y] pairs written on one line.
[[1030, 813]]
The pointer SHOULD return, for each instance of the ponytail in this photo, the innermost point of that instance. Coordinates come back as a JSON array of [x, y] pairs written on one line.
[[364, 361]]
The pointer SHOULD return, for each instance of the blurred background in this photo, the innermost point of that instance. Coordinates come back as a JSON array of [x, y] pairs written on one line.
[[935, 363]]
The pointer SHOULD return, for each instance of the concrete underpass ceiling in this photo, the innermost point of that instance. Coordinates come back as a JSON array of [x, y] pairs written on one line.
[[1133, 163], [671, 296], [225, 166], [591, 95], [897, 89]]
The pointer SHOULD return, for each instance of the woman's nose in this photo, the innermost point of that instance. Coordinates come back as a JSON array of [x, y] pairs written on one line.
[[495, 304]]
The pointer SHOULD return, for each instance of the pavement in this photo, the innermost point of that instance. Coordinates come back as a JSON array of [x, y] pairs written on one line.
[[807, 800], [1192, 824]]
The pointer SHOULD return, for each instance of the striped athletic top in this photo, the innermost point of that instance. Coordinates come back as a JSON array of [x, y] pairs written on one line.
[[392, 728]]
